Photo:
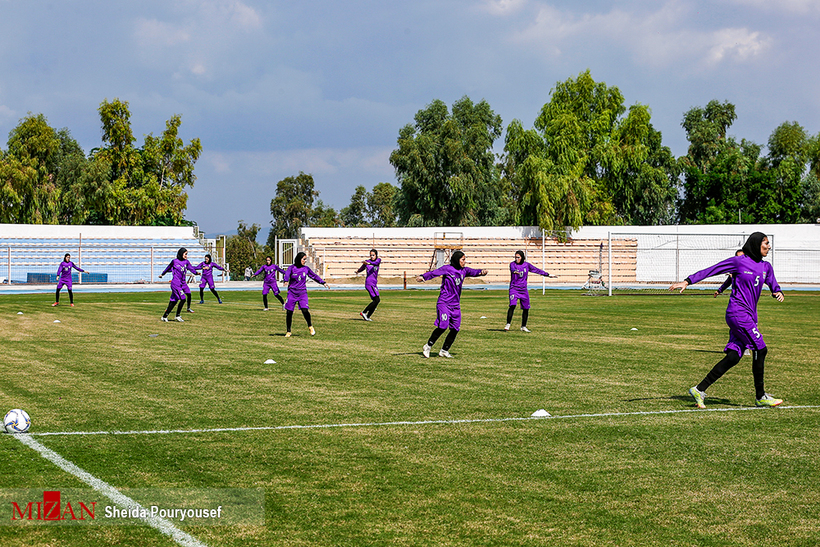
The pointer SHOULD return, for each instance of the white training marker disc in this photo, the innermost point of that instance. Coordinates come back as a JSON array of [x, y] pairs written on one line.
[[541, 413], [270, 362]]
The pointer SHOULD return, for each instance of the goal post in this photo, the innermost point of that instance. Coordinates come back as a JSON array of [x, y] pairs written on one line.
[[647, 263]]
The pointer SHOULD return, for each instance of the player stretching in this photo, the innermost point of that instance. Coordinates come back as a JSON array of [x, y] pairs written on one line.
[[448, 306], [750, 273], [370, 283], [519, 268], [178, 266], [208, 278], [296, 277], [269, 284], [64, 273]]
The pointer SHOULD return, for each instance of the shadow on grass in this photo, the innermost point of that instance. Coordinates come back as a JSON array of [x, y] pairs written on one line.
[[688, 399], [708, 351]]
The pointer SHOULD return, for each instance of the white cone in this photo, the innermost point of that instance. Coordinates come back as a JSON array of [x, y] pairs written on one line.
[[19, 313], [270, 362], [540, 414], [633, 328], [56, 320]]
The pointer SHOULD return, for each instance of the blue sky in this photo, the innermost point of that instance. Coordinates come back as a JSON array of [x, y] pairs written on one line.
[[274, 88]]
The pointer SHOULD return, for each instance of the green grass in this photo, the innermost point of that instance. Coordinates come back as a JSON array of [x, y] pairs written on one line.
[[694, 478]]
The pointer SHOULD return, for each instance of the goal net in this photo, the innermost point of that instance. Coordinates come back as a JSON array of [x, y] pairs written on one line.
[[649, 263]]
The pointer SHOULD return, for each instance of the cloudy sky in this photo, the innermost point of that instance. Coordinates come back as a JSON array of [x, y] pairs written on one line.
[[273, 88]]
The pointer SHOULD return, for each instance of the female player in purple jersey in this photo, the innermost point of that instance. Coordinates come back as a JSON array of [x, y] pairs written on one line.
[[178, 266], [728, 283], [371, 283], [519, 268], [269, 284], [64, 278], [296, 277], [448, 306], [207, 267], [750, 273]]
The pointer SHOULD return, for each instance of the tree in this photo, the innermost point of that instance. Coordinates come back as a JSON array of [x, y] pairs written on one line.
[[325, 216], [292, 208], [354, 214], [584, 162], [445, 164], [381, 205], [242, 250]]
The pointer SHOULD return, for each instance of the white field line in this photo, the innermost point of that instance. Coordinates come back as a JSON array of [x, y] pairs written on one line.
[[163, 525], [424, 422]]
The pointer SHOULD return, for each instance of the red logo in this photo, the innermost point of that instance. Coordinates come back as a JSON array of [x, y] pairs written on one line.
[[51, 508]]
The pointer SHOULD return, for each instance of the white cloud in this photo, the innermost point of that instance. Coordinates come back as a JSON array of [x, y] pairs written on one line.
[[789, 6], [739, 44], [151, 33], [502, 7]]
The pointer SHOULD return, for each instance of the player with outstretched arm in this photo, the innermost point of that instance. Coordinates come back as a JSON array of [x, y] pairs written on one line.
[[269, 284], [371, 283], [207, 279], [519, 269], [64, 278], [750, 273], [448, 306], [296, 277], [179, 267]]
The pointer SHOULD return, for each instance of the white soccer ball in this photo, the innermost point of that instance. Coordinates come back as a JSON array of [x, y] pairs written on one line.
[[16, 421]]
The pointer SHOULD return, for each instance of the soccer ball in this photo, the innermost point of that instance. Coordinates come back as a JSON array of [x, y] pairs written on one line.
[[16, 421]]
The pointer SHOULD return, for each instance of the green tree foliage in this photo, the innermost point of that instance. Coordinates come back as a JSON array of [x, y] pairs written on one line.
[[584, 162], [292, 208], [726, 181], [355, 213], [445, 165], [242, 250], [325, 216], [45, 176], [381, 209]]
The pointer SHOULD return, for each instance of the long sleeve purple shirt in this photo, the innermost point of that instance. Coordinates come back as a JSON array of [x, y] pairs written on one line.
[[451, 281], [178, 268], [518, 275], [64, 270], [749, 278], [270, 273], [296, 278], [372, 268], [207, 269]]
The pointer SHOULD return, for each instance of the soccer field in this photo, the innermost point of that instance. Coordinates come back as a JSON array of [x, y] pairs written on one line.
[[356, 439]]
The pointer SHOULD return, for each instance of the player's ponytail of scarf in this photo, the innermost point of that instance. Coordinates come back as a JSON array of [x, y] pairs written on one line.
[[298, 260], [455, 260], [752, 246]]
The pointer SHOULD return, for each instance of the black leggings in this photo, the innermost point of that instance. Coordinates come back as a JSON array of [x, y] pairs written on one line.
[[436, 334], [371, 308], [525, 314], [289, 318], [202, 293], [731, 359], [265, 299], [171, 307], [70, 295]]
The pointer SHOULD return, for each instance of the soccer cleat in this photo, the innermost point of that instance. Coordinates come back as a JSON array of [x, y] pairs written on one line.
[[525, 329], [72, 305], [425, 351], [163, 318], [366, 318], [698, 395], [312, 331], [768, 400], [218, 300], [264, 309], [506, 327], [287, 335], [180, 319], [445, 353], [189, 310], [201, 301], [364, 315], [55, 304]]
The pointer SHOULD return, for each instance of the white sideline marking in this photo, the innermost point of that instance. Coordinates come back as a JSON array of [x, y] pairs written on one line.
[[424, 422], [110, 492]]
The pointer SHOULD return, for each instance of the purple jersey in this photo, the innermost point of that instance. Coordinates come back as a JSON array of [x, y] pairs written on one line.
[[270, 273], [749, 278], [296, 277], [451, 281], [372, 279], [64, 271], [518, 276], [207, 270], [178, 268]]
